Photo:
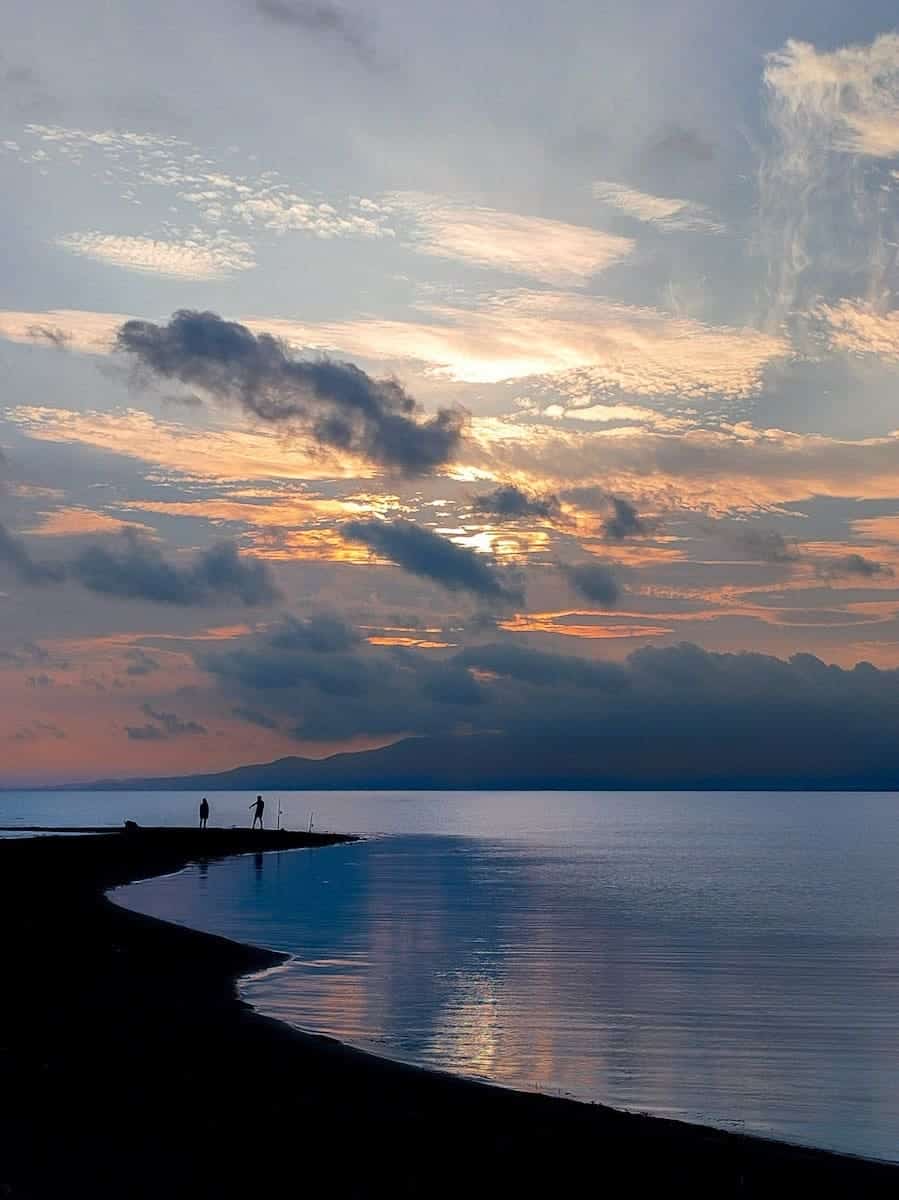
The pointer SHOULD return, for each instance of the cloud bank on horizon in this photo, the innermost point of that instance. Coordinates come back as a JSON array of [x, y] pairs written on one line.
[[360, 381]]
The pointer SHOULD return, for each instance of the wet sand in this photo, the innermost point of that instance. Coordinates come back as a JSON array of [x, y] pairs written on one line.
[[131, 1069]]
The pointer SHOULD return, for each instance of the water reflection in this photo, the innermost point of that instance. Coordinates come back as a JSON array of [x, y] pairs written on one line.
[[754, 986]]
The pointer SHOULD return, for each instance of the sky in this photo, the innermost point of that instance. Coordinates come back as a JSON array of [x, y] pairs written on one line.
[[392, 369]]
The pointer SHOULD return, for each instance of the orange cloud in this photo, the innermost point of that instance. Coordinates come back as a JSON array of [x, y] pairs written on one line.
[[553, 251], [77, 521]]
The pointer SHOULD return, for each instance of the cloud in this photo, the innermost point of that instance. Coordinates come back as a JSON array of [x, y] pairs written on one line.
[[319, 17], [319, 634], [138, 571], [541, 669], [73, 329], [675, 143], [139, 662], [199, 256], [16, 555], [855, 565], [624, 521], [168, 725], [50, 333], [826, 224], [77, 521], [430, 556], [674, 714], [597, 344], [552, 251], [855, 89], [861, 329], [335, 404], [594, 581], [661, 211], [602, 344], [252, 717], [767, 545], [198, 192], [717, 471], [511, 503]]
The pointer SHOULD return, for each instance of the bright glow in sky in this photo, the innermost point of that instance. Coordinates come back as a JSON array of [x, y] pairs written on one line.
[[572, 335]]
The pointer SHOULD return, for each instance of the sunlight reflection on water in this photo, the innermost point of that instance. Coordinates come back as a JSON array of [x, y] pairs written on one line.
[[728, 959]]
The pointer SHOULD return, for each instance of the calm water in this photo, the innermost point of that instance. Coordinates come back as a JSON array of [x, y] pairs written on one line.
[[732, 959]]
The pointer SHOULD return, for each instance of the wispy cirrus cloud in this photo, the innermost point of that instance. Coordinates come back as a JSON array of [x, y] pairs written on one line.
[[827, 222], [662, 211], [553, 251], [854, 89]]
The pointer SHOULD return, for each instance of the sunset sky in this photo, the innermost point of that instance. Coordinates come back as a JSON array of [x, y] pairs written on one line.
[[402, 368]]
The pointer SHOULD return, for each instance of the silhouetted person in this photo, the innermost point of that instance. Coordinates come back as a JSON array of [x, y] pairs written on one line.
[[204, 812], [259, 806]]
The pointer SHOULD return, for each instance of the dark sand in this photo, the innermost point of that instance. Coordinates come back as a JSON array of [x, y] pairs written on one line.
[[130, 1069]]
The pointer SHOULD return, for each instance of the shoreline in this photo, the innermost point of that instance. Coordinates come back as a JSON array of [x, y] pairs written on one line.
[[134, 1069]]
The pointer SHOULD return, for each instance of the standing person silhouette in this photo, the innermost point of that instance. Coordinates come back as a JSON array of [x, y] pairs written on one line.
[[204, 812], [259, 806]]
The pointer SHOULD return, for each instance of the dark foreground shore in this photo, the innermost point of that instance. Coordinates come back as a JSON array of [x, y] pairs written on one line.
[[130, 1069]]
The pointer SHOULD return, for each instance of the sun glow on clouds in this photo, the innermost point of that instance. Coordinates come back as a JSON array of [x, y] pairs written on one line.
[[552, 251], [861, 329], [560, 623], [198, 257], [662, 211], [520, 334], [514, 335], [855, 89], [77, 522], [216, 454]]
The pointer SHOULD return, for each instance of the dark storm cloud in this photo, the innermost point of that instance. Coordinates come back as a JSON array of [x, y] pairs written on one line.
[[265, 669], [670, 714], [767, 545], [15, 554], [430, 556], [855, 564], [138, 571], [510, 503], [594, 581], [335, 404], [167, 725], [320, 633], [541, 669], [318, 18]]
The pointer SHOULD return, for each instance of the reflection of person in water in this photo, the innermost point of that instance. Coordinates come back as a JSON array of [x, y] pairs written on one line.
[[259, 806], [204, 812], [257, 866]]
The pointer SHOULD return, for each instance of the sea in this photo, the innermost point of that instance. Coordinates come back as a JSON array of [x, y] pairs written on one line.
[[730, 959]]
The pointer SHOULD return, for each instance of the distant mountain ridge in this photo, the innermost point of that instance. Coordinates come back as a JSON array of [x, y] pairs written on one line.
[[501, 762]]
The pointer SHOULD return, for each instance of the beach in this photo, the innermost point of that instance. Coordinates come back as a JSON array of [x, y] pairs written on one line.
[[131, 1068]]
